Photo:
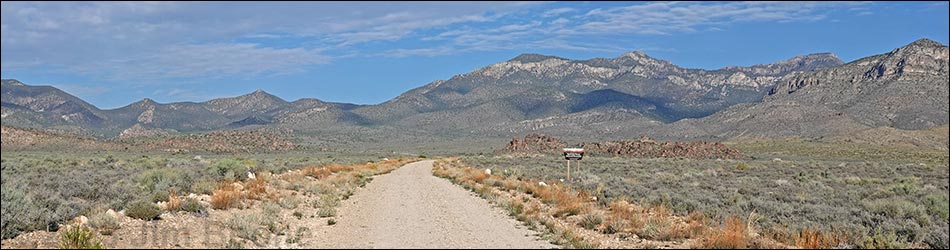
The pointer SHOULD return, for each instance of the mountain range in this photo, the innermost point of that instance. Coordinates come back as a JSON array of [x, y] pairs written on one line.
[[634, 94]]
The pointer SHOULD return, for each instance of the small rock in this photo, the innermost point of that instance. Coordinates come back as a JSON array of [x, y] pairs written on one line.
[[488, 171], [113, 213], [251, 176], [81, 220], [542, 184]]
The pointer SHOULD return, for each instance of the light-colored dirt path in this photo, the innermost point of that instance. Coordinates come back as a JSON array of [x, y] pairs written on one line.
[[411, 208]]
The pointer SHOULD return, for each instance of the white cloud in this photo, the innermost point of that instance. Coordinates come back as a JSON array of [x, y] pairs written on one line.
[[664, 18], [181, 39], [197, 61], [165, 40], [557, 12]]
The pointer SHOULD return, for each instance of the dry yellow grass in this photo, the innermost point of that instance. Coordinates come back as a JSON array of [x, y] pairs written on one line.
[[733, 234], [227, 196], [255, 189], [814, 239], [335, 168], [316, 172], [174, 201]]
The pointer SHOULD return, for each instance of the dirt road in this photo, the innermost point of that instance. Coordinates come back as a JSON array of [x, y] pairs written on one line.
[[411, 208]]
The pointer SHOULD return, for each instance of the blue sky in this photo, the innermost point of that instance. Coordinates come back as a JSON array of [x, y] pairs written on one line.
[[112, 54]]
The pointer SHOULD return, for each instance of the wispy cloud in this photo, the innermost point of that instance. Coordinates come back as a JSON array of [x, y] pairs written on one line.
[[557, 12], [169, 40], [188, 39], [196, 61], [665, 18]]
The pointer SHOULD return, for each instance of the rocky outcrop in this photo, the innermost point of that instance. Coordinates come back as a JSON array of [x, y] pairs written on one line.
[[539, 143], [906, 88], [138, 130]]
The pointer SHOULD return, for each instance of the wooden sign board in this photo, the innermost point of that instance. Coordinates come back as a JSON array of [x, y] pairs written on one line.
[[573, 153]]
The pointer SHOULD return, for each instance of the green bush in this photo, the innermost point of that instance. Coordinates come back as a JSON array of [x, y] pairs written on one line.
[[162, 179], [327, 206], [160, 195], [234, 244], [193, 206], [143, 210], [104, 222], [881, 240], [204, 187], [25, 212], [78, 237], [742, 166], [938, 205], [591, 221], [246, 226], [228, 169]]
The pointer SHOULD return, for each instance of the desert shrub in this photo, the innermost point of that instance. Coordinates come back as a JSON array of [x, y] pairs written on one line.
[[23, 212], [174, 202], [204, 187], [898, 208], [814, 239], [653, 227], [256, 189], [271, 208], [234, 244], [289, 202], [318, 188], [591, 220], [104, 222], [938, 205], [227, 196], [78, 237], [742, 166], [162, 179], [245, 225], [159, 196], [228, 169], [193, 206], [13, 210], [938, 239], [733, 234], [514, 207], [270, 217], [143, 210], [327, 206], [883, 240], [613, 225]]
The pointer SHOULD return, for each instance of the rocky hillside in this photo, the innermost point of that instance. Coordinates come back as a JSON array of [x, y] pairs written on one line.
[[531, 86], [598, 99], [906, 88], [47, 107]]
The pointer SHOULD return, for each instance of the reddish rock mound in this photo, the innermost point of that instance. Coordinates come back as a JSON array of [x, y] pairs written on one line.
[[535, 143], [642, 148]]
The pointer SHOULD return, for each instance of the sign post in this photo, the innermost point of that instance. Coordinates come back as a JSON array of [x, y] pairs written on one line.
[[573, 154]]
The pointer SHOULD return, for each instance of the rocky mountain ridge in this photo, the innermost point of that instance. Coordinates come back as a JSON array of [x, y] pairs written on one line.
[[809, 95]]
